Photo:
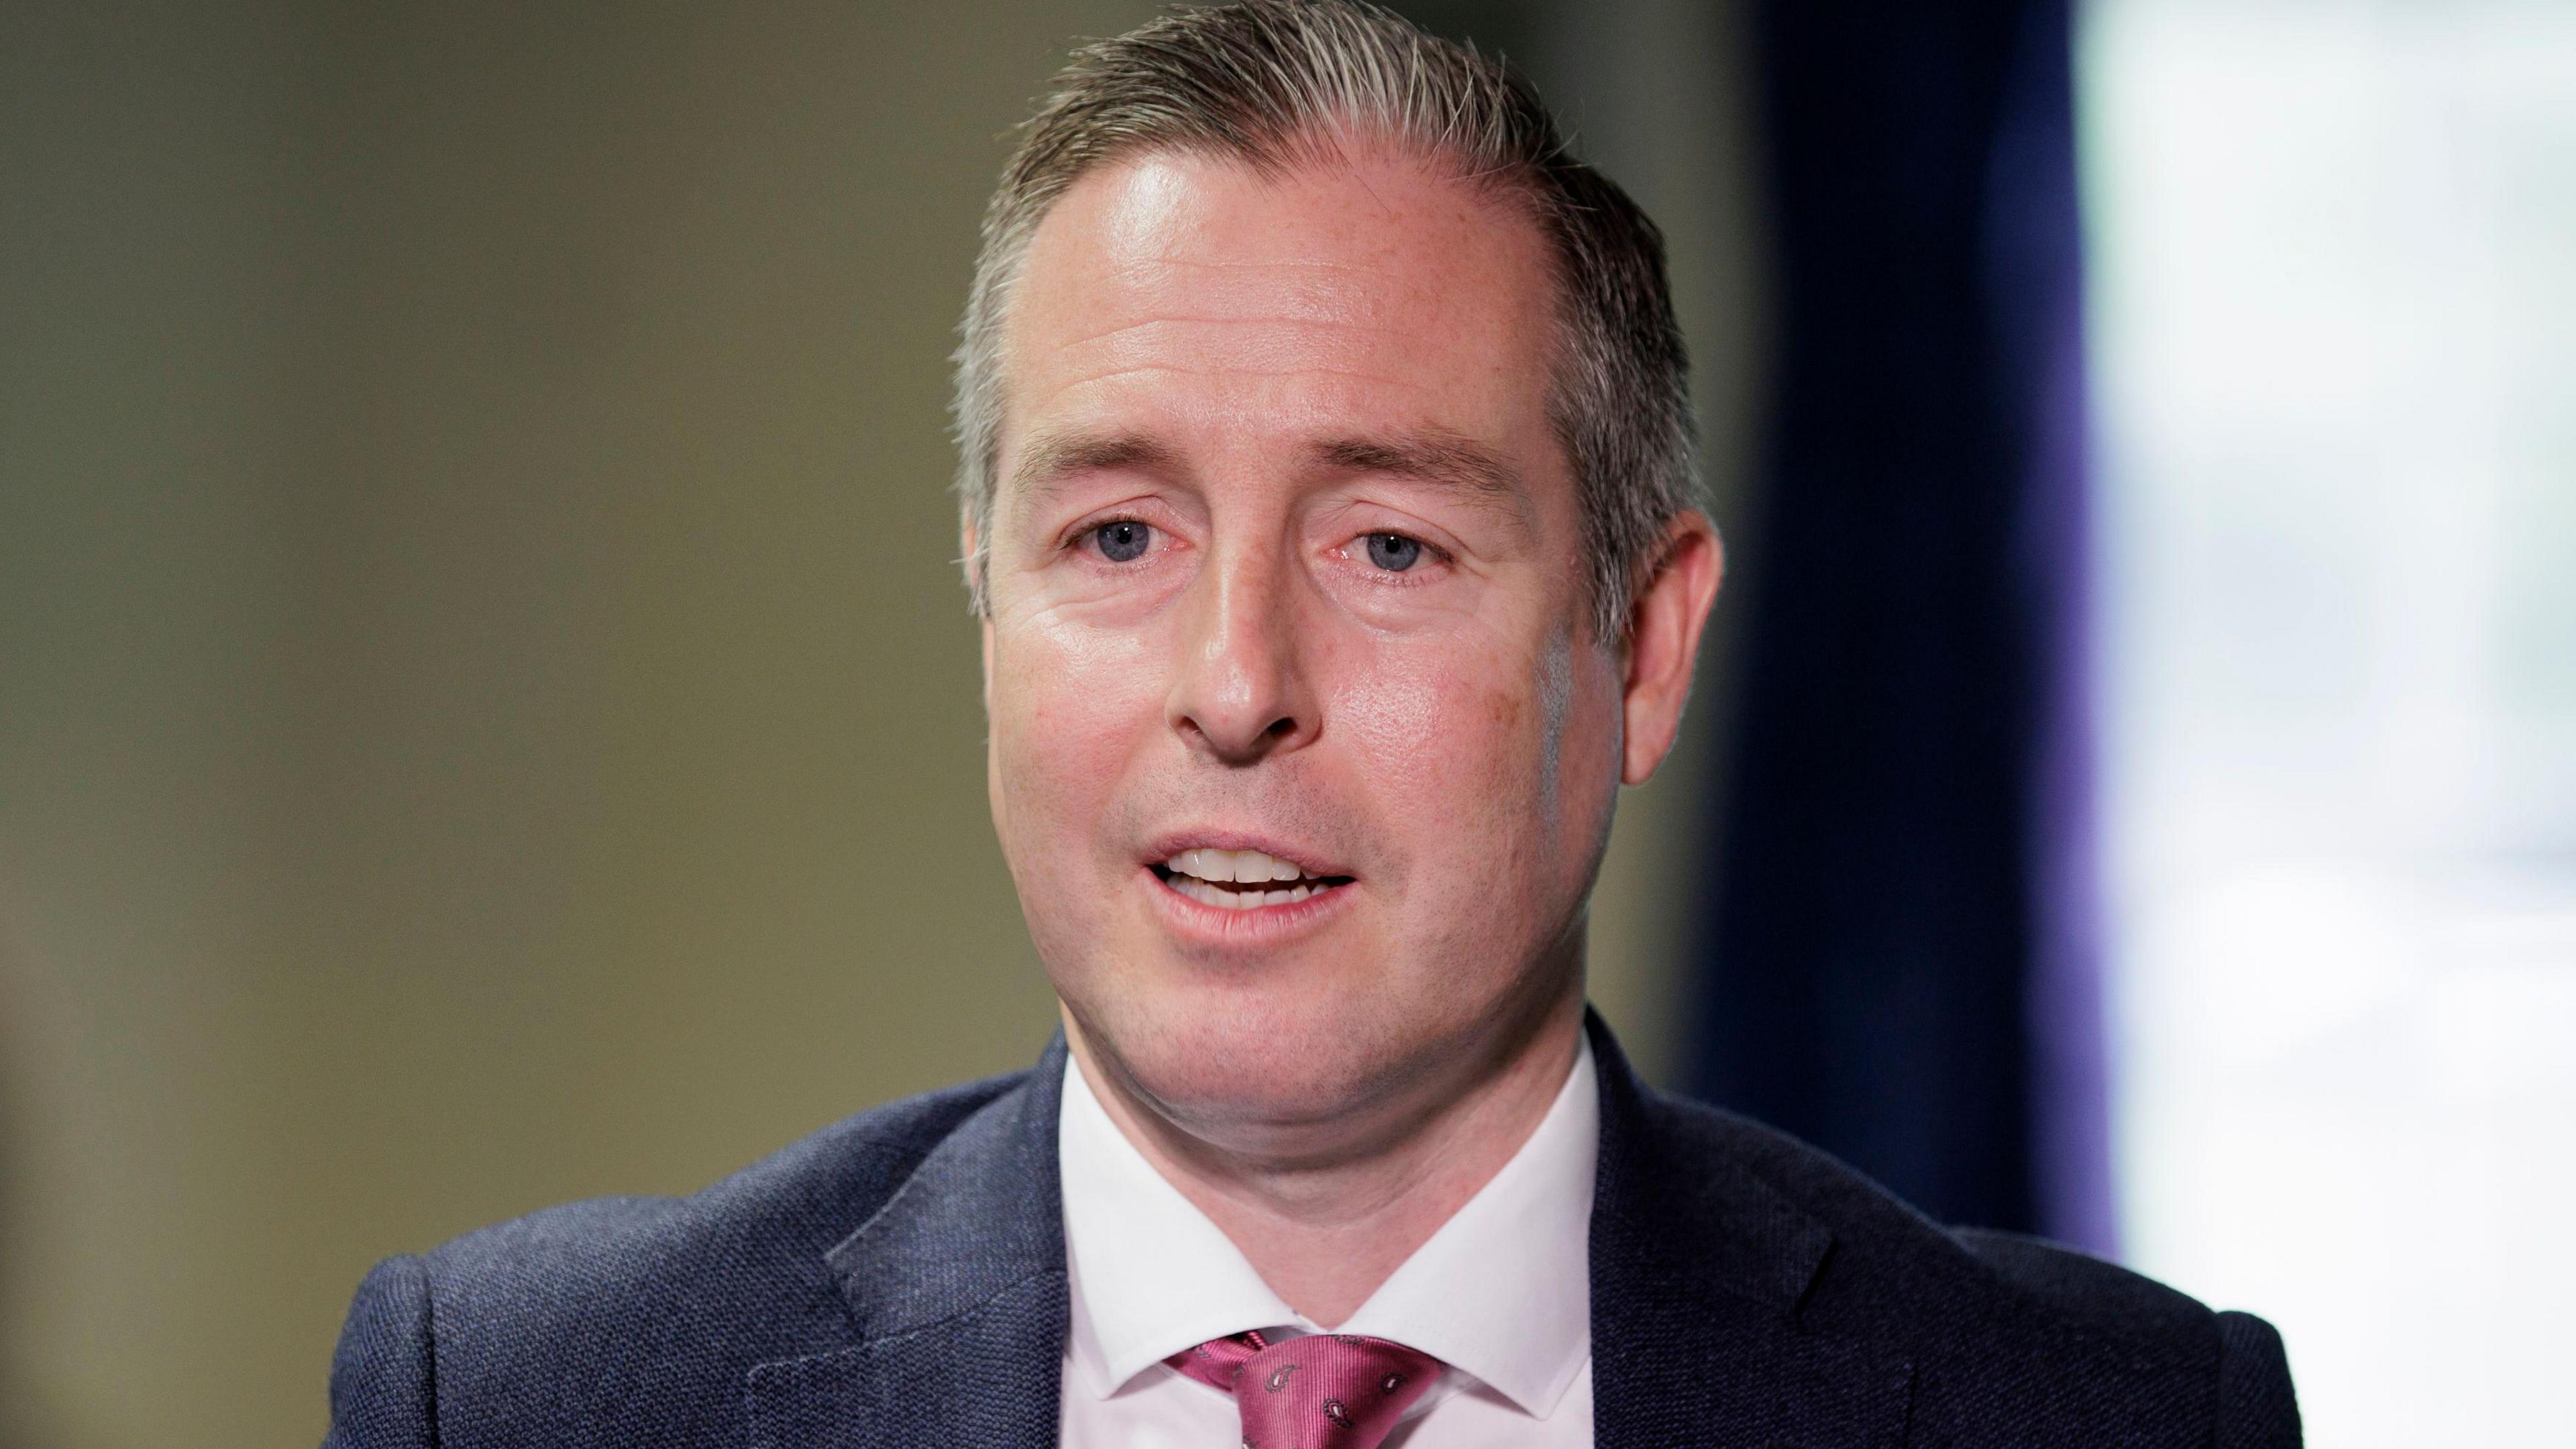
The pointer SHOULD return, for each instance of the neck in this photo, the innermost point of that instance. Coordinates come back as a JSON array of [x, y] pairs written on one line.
[[1325, 1229]]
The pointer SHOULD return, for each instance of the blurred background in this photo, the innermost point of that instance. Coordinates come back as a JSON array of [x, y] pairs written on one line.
[[487, 715]]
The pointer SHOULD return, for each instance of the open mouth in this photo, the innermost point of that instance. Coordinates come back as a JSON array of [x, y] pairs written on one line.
[[1242, 880]]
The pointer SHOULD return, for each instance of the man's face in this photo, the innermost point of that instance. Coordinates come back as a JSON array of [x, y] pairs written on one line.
[[1301, 754]]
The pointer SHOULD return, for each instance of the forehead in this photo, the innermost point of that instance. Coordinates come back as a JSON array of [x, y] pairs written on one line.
[[1196, 297]]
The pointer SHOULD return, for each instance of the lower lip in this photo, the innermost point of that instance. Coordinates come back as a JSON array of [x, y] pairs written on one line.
[[1249, 926]]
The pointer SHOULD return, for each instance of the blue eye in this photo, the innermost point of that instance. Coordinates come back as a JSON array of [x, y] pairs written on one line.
[[1394, 552], [1122, 541]]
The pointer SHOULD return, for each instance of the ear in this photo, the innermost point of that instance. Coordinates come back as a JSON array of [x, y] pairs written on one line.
[[1663, 641], [983, 616], [984, 632]]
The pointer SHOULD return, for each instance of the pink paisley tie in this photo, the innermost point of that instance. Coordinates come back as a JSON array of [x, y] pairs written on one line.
[[1323, 1391]]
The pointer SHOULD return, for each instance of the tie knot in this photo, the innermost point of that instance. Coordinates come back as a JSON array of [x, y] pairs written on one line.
[[1322, 1391]]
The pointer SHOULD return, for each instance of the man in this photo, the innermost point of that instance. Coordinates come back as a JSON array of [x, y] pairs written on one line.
[[1328, 509]]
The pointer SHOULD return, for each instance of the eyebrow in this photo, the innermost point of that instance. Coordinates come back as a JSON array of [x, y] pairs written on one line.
[[1436, 456], [1052, 458], [1432, 456]]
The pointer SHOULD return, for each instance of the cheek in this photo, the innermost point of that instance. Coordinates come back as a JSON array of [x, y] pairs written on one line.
[[1071, 706], [1456, 743], [1494, 763]]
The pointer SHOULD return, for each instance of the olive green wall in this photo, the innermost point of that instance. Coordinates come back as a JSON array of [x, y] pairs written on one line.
[[486, 712]]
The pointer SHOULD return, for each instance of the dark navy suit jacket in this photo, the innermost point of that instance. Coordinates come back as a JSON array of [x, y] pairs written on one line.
[[898, 1281]]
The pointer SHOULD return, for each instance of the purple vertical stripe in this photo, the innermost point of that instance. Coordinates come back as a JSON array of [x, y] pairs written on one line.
[[2038, 299]]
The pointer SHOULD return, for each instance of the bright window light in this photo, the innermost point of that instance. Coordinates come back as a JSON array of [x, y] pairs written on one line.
[[2333, 325]]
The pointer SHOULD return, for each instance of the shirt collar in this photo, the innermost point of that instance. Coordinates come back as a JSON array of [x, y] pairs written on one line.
[[1150, 1274], [1502, 1292]]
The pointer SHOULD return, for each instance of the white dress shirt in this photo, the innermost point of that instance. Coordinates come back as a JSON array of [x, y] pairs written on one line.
[[1502, 1294]]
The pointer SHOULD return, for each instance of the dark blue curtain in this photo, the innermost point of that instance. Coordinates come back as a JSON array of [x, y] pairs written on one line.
[[1898, 959]]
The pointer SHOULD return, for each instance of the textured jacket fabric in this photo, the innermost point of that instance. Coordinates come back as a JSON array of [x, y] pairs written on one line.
[[899, 1280]]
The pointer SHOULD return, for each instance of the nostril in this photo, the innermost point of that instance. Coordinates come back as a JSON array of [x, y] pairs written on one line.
[[1282, 726]]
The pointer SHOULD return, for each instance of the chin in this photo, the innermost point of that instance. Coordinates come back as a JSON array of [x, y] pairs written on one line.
[[1232, 1058]]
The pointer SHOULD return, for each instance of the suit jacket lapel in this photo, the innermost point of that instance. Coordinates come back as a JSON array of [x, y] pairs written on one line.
[[957, 1289], [958, 1295], [1698, 1268]]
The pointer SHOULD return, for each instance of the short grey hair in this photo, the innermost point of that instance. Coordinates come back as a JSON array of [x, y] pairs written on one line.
[[1277, 83]]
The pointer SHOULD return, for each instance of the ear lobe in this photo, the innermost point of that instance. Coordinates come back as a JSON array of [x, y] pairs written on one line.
[[1664, 627], [984, 634]]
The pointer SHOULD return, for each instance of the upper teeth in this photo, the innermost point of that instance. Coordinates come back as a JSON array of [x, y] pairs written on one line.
[[1233, 865]]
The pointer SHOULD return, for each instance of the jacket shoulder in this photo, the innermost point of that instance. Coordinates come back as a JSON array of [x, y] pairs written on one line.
[[2252, 1402], [2080, 1287], [804, 1194], [1891, 1257], [550, 1327], [2003, 1327]]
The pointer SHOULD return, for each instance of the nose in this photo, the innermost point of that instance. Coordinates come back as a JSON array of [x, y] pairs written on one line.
[[1241, 692]]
